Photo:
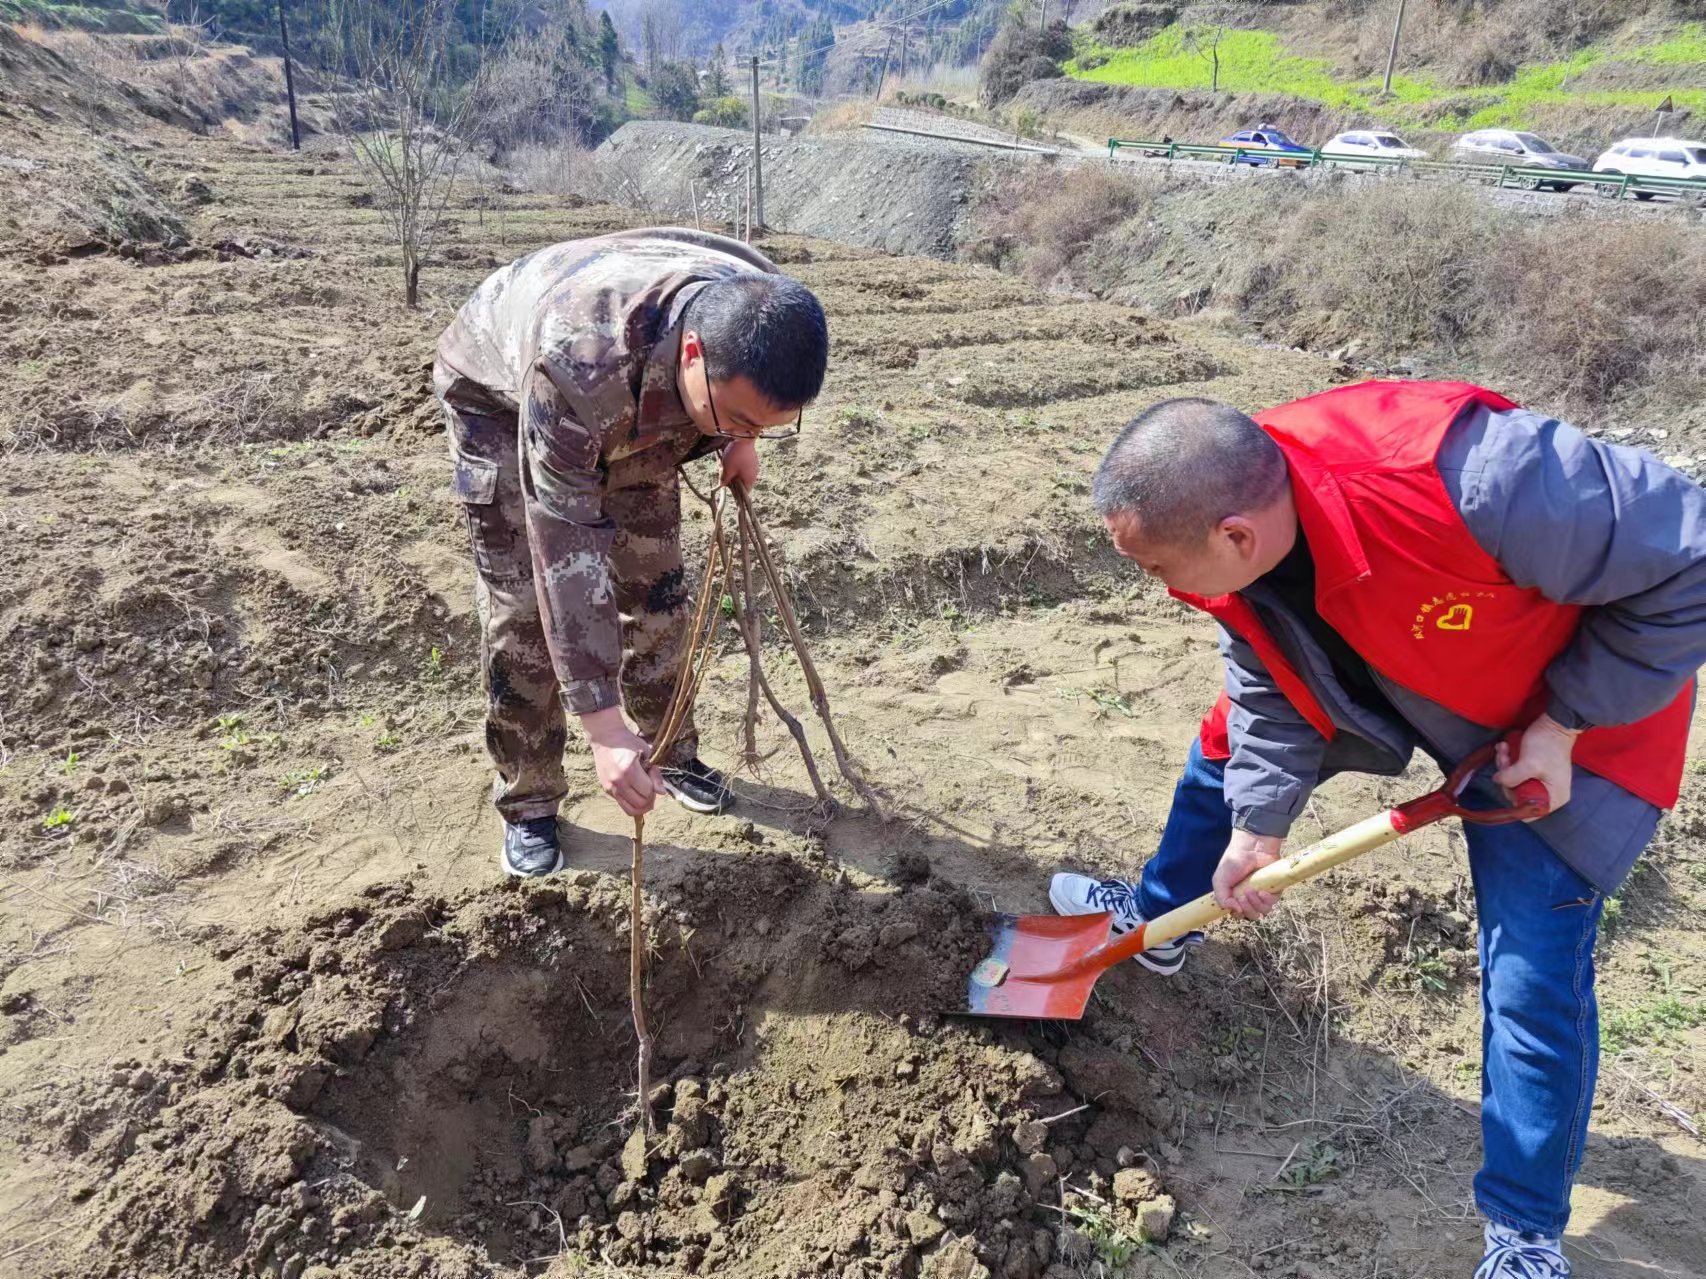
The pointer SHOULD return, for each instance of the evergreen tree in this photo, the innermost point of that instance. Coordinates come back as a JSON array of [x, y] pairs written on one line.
[[675, 89], [717, 73], [815, 43], [609, 50]]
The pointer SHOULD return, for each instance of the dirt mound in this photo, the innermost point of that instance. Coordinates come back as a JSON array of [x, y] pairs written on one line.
[[406, 1080]]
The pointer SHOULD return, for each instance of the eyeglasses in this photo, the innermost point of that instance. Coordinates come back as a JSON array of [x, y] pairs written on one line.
[[767, 433]]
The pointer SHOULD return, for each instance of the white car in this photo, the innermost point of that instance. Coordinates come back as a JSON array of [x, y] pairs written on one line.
[[1654, 158], [1373, 142]]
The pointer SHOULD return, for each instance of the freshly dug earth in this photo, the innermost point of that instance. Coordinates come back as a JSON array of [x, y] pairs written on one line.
[[267, 1007], [467, 1059]]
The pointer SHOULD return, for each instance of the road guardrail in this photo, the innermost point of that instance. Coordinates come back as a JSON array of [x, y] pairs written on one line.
[[1518, 177]]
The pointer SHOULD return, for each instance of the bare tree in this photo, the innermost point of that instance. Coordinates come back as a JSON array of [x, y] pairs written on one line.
[[406, 116], [535, 91], [190, 38], [661, 32], [1208, 25], [1204, 35], [650, 39]]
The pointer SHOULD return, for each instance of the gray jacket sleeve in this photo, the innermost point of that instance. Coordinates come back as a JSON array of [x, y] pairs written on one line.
[[1600, 525], [1276, 754]]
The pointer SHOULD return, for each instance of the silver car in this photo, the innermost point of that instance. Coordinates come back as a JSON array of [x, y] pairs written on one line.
[[1517, 149]]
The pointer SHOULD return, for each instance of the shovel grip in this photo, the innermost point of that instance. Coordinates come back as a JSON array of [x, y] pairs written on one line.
[[1337, 849]]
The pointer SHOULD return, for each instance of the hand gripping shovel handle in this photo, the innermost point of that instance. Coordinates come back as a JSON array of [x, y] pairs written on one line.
[[1532, 801]]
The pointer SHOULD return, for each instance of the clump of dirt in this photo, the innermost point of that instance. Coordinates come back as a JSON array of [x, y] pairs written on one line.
[[406, 1084], [1428, 939]]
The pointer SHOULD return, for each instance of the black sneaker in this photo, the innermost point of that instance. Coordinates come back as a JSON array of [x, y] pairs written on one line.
[[531, 848], [698, 787]]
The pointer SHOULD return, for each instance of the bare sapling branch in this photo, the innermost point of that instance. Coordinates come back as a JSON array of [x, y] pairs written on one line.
[[747, 622], [790, 622], [690, 671]]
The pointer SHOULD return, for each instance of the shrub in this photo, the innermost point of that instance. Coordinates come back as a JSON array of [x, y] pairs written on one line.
[[675, 89], [1044, 221], [1020, 54], [729, 112], [1588, 312], [1399, 264]]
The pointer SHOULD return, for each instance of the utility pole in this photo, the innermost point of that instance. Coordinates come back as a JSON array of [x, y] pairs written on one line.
[[1392, 55], [1042, 22], [903, 38], [289, 81], [884, 73], [756, 217]]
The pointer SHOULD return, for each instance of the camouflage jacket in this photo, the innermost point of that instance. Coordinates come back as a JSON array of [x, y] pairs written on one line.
[[583, 340]]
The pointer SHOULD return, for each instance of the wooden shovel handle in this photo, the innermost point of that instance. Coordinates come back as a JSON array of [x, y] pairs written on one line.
[[1367, 835], [1337, 849]]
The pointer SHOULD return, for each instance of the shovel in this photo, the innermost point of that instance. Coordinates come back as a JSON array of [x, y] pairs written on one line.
[[1044, 966]]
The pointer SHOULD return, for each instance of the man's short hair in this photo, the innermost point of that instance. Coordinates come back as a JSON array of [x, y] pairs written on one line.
[[768, 329], [1182, 466]]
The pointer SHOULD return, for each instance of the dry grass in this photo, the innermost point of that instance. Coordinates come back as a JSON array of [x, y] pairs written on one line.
[[1592, 315], [1595, 313], [841, 117], [1397, 265], [1048, 218], [1584, 313], [956, 83]]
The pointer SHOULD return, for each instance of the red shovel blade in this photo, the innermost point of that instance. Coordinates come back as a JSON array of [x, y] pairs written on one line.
[[1033, 971]]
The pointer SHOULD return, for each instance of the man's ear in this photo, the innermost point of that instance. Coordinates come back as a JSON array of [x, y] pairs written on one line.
[[1241, 533], [692, 350]]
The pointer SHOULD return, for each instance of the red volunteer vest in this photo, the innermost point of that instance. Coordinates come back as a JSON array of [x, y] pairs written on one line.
[[1400, 577]]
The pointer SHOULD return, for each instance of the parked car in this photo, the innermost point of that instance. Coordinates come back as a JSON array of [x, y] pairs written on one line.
[[1377, 143], [1653, 158], [1513, 147], [1265, 138]]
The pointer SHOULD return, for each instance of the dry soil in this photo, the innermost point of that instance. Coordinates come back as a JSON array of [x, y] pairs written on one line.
[[268, 1008]]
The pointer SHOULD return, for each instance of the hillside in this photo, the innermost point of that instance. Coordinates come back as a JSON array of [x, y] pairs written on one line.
[[1318, 68]]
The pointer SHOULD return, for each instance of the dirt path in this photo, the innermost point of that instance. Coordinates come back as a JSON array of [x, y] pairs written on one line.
[[266, 1007]]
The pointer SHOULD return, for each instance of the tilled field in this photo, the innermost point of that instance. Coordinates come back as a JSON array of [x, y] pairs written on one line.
[[267, 1008]]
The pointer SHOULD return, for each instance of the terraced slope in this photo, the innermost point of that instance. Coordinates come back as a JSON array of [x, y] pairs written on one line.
[[266, 1007]]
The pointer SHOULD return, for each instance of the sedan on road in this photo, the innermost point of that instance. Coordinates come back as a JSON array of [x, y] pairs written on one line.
[[1519, 150], [1374, 144], [1279, 149]]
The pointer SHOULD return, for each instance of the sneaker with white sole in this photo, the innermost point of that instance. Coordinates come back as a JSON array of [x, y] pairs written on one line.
[[1086, 895], [531, 848], [698, 787], [1511, 1254]]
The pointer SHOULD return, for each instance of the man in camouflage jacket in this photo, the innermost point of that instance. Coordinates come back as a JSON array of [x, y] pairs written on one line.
[[575, 380]]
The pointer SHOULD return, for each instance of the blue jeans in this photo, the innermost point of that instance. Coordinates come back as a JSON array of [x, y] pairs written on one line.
[[1539, 1019]]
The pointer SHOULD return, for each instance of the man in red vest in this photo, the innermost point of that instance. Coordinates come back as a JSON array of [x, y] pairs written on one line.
[[1396, 565]]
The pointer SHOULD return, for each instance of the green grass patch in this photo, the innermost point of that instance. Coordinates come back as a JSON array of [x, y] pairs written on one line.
[[1256, 62], [1687, 46], [1250, 62], [1657, 1022]]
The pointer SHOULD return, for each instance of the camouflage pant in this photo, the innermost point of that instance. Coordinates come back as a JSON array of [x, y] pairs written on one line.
[[525, 725]]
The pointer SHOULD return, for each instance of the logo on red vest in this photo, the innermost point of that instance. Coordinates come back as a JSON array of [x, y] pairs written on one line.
[[1448, 612]]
